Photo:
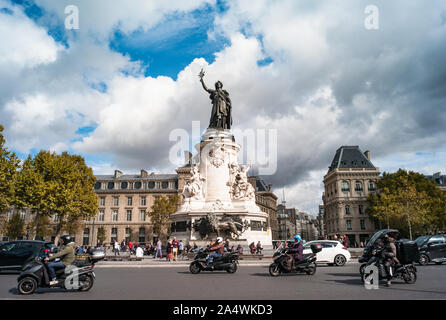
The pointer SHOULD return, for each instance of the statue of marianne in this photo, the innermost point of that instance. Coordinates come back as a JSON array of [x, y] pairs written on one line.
[[221, 116]]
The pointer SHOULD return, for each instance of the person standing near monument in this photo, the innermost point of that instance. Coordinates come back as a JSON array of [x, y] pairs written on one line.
[[175, 245]]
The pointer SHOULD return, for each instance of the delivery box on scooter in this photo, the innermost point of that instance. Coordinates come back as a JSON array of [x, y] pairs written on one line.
[[316, 247], [407, 251]]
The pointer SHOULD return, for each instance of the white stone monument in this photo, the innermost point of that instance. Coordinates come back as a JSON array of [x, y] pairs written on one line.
[[218, 197]]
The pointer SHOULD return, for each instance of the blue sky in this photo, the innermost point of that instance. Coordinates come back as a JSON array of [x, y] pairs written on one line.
[[115, 89]]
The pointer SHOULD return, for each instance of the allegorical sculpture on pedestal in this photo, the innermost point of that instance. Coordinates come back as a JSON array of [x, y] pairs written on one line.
[[218, 199]]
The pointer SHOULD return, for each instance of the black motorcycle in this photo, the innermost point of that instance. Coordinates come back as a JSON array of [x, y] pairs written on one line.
[[405, 271], [80, 276], [282, 263], [228, 261]]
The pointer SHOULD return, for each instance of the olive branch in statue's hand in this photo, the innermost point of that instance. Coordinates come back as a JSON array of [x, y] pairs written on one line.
[[201, 74]]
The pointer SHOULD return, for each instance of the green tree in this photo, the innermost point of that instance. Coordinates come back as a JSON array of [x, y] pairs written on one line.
[[41, 227], [408, 201], [51, 184], [9, 163], [101, 234], [14, 227], [160, 214]]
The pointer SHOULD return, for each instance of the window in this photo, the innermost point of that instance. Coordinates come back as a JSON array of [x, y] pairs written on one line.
[[358, 186], [101, 215], [124, 185], [165, 184], [23, 214], [142, 215], [110, 185], [129, 201], [347, 209], [114, 235], [349, 225], [362, 224], [361, 209], [86, 237], [129, 215], [142, 235], [171, 184], [56, 218], [128, 233], [102, 201], [116, 201], [345, 187], [97, 185], [115, 215], [151, 184], [137, 185], [143, 201], [372, 186], [436, 240]]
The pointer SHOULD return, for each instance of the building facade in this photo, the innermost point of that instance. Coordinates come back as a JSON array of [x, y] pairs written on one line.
[[126, 199], [291, 221], [348, 182]]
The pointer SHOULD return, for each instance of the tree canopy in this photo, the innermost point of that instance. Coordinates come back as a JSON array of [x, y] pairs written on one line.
[[160, 214], [410, 202]]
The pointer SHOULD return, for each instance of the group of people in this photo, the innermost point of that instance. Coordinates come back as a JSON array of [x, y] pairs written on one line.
[[133, 248]]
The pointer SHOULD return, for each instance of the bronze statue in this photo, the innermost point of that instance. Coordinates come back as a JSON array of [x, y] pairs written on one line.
[[221, 116]]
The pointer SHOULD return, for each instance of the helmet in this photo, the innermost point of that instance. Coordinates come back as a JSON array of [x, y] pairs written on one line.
[[219, 239], [66, 239], [297, 238]]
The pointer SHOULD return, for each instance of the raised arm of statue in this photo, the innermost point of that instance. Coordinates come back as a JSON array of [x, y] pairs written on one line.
[[201, 75]]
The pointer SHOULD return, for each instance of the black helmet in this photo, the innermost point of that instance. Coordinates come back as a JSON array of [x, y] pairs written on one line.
[[66, 239]]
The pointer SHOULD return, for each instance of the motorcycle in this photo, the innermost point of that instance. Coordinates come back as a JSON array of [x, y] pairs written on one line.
[[282, 258], [228, 261], [78, 276], [406, 271]]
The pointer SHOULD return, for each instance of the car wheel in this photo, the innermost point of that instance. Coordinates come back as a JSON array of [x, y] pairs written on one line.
[[27, 285], [340, 260], [424, 260], [194, 268], [274, 270]]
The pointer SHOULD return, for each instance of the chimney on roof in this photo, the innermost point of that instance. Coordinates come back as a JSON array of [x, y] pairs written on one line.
[[144, 173], [118, 174], [187, 157], [270, 187], [367, 154]]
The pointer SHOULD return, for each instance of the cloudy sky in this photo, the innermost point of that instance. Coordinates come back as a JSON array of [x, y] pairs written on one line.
[[114, 89]]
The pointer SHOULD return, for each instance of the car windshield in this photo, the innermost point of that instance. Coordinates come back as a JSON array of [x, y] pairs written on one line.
[[420, 241]]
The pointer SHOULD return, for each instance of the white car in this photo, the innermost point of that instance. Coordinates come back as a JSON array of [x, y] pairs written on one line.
[[333, 252]]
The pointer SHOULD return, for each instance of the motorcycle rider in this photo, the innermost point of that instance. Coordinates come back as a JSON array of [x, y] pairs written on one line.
[[390, 256], [218, 247], [67, 257], [296, 249]]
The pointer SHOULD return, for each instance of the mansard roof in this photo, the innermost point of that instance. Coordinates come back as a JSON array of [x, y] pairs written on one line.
[[350, 157]]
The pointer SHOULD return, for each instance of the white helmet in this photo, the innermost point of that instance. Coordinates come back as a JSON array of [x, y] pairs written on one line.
[[219, 239]]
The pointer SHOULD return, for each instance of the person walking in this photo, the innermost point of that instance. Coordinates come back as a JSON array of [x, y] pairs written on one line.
[[181, 248], [259, 248], [159, 249], [116, 248], [169, 250], [175, 245], [240, 249], [345, 241]]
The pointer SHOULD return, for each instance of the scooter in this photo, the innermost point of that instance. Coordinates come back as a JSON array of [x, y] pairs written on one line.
[[79, 276], [228, 261], [306, 265]]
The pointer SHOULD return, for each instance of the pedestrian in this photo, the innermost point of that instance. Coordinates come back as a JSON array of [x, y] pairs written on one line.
[[175, 245], [259, 248], [169, 250], [116, 248], [181, 248], [139, 252], [123, 246], [252, 247], [226, 245], [195, 249], [159, 249], [345, 241], [240, 249], [130, 247]]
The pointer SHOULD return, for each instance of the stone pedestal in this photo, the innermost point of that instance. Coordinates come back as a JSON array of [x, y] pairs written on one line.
[[218, 188]]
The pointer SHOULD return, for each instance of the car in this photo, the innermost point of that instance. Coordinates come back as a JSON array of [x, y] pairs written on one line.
[[333, 252], [15, 254], [432, 248]]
